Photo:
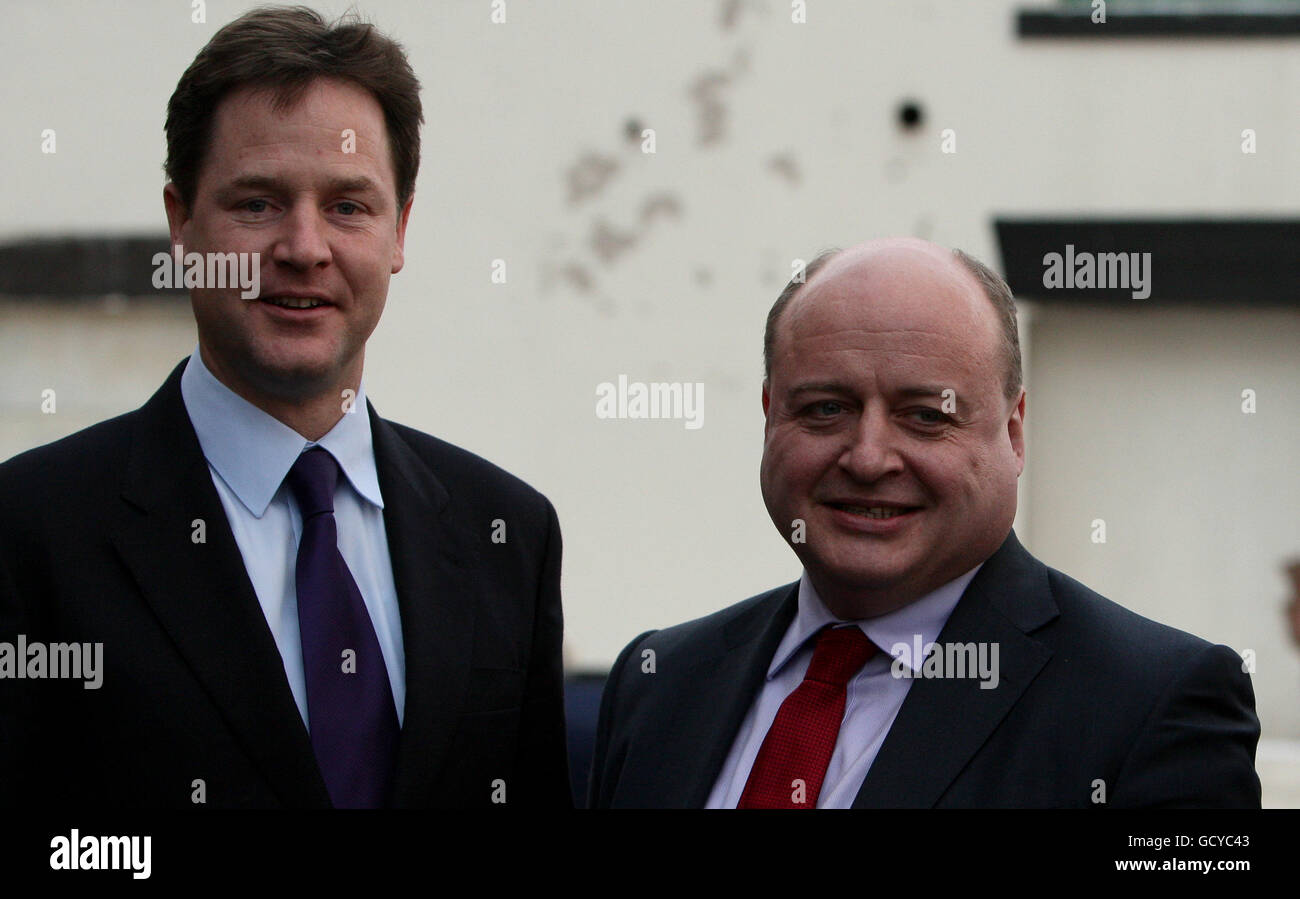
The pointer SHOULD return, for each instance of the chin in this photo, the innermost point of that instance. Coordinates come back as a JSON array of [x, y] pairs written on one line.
[[857, 575], [872, 581], [877, 563], [863, 594], [295, 377]]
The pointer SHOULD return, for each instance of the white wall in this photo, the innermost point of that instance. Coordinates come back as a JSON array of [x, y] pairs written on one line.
[[96, 360], [1135, 418], [1132, 421]]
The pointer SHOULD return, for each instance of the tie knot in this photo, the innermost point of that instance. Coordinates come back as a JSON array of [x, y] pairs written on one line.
[[312, 479], [839, 654]]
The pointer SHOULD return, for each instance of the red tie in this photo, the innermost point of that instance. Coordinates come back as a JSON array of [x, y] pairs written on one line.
[[791, 763]]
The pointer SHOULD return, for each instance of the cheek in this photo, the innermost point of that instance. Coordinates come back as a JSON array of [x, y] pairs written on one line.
[[972, 476], [367, 272], [773, 470], [194, 236], [946, 470], [793, 462]]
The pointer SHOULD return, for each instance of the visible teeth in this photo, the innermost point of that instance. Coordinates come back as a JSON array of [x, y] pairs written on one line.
[[875, 511], [295, 302]]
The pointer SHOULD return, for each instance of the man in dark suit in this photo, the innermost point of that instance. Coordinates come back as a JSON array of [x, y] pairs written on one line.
[[925, 658], [286, 600]]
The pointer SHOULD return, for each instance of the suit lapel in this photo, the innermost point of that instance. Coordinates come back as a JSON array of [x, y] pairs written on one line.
[[432, 560], [202, 595], [944, 721], [723, 684]]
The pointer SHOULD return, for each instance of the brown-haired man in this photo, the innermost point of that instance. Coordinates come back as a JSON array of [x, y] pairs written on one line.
[[298, 603], [925, 658]]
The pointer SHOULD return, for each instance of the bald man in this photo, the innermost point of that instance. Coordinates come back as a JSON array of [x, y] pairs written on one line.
[[924, 658]]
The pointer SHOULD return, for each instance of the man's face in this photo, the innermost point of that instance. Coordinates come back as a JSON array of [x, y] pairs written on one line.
[[857, 427], [325, 222]]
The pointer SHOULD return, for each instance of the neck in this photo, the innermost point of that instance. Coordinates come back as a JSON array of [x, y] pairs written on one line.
[[312, 418], [857, 604], [311, 412]]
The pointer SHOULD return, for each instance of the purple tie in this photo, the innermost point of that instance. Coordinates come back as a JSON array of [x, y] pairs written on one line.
[[350, 708]]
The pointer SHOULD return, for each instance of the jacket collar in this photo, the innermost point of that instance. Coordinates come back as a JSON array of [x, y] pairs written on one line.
[[944, 721], [941, 723], [173, 535]]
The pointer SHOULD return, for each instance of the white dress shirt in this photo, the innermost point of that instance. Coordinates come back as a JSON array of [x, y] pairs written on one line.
[[873, 699], [249, 453]]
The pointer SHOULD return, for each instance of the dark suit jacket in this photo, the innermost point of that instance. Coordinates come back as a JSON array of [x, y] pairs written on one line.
[[96, 546], [1089, 691]]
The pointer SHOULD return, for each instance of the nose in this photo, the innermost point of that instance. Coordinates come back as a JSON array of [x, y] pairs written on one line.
[[871, 451], [302, 241]]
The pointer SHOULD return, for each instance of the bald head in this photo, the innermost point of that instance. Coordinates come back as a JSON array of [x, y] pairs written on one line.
[[909, 270]]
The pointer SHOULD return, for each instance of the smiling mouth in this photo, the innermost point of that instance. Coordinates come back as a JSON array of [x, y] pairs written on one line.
[[877, 512], [295, 302]]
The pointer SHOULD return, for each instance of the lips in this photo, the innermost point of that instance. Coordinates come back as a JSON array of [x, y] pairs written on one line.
[[877, 519], [879, 510], [295, 301]]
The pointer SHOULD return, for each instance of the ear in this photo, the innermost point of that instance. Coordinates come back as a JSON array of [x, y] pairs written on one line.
[[399, 250], [1016, 431], [767, 408], [177, 214]]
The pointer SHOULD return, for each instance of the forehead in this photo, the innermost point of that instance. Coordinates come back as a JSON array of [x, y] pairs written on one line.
[[917, 307], [251, 126]]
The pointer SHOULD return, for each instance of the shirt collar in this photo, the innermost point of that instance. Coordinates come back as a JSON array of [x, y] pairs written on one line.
[[252, 451], [923, 618]]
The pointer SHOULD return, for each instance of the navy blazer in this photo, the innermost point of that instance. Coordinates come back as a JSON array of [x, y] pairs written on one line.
[[1089, 692], [96, 546]]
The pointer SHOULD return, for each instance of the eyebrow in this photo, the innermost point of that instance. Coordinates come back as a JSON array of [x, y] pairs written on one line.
[[355, 184], [822, 387], [924, 390], [914, 390]]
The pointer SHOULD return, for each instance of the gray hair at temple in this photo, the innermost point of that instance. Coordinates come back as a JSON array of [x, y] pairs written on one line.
[[995, 288]]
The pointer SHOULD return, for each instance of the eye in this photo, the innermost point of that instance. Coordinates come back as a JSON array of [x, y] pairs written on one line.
[[347, 207], [256, 206], [930, 416], [824, 408]]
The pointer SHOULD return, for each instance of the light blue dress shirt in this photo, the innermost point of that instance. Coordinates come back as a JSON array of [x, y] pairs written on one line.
[[249, 453], [874, 696]]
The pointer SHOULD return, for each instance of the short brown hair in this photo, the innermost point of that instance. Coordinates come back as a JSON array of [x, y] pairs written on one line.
[[1004, 304], [285, 49], [995, 288]]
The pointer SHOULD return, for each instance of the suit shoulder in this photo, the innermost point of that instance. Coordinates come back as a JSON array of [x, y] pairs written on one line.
[[688, 635], [1180, 710], [71, 463], [1098, 626], [464, 468]]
